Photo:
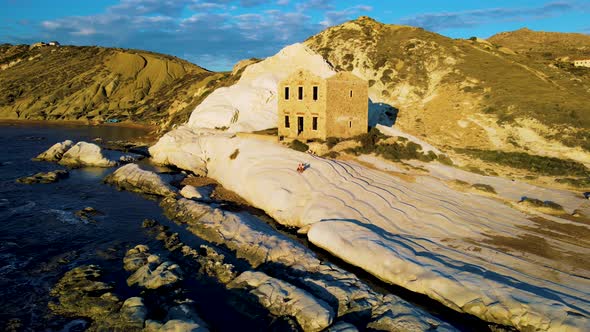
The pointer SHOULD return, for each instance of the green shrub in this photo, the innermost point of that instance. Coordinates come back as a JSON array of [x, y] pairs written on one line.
[[538, 164], [331, 154], [369, 140], [235, 154], [575, 182], [299, 146], [445, 160], [484, 187], [542, 204], [332, 141]]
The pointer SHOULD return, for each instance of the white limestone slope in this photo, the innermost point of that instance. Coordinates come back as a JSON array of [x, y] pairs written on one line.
[[420, 235], [251, 104]]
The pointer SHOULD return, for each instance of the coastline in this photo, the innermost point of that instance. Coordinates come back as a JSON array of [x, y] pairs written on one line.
[[149, 135], [147, 127]]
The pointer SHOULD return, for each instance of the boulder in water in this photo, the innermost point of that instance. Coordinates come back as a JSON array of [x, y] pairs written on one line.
[[131, 177], [48, 177], [86, 154], [55, 152]]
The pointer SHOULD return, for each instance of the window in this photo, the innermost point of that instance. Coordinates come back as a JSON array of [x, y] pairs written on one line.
[[287, 124], [286, 93], [350, 93], [299, 125], [349, 124], [300, 93], [314, 123], [315, 93]]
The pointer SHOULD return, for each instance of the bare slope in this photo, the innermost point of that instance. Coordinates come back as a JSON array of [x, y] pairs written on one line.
[[96, 84], [465, 92]]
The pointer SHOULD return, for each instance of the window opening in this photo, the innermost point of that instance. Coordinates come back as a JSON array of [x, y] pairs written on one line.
[[299, 125]]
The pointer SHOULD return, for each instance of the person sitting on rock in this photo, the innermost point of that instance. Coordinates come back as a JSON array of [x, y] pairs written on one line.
[[300, 168]]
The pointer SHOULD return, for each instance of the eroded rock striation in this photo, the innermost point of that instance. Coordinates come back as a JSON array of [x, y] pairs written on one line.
[[419, 235], [283, 299], [261, 246]]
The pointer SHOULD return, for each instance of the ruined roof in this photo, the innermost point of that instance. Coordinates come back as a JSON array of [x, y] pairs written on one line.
[[302, 73], [340, 76], [345, 76]]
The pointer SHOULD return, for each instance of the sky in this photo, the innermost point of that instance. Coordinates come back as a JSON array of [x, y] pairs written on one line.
[[215, 34]]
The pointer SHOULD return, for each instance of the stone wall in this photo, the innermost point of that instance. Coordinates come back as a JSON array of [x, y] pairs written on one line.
[[306, 108], [348, 107], [340, 110]]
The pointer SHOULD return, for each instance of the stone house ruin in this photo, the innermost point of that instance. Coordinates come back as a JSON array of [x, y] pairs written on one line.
[[312, 107], [582, 63]]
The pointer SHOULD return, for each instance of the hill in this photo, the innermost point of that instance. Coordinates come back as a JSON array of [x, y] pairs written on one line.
[[465, 93], [97, 84], [542, 44]]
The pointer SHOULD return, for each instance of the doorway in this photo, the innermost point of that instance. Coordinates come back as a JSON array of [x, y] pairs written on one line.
[[299, 125]]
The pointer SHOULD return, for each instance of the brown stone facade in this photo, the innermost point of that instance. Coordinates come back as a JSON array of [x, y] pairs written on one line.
[[311, 107]]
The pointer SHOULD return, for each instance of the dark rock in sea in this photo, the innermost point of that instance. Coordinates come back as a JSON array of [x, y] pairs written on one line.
[[136, 257], [88, 213], [81, 293], [13, 325], [49, 177], [149, 223]]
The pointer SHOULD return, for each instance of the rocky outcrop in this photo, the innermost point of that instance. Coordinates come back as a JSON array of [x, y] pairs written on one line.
[[55, 152], [86, 154], [132, 178], [283, 299], [180, 318], [261, 245], [81, 293], [202, 193], [367, 218], [152, 274], [48, 177]]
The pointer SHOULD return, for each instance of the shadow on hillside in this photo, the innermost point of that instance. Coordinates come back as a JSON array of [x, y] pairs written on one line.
[[382, 113]]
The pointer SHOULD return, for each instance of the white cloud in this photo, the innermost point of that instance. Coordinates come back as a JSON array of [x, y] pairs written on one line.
[[213, 30]]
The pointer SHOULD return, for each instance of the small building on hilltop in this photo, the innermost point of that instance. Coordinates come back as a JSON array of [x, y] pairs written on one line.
[[312, 107], [54, 43], [582, 62]]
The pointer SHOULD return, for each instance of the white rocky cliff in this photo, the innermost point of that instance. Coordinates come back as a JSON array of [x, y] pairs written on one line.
[[251, 104], [461, 249]]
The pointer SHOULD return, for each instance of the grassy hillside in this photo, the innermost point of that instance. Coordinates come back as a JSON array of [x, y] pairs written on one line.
[[96, 84], [466, 93], [540, 44]]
